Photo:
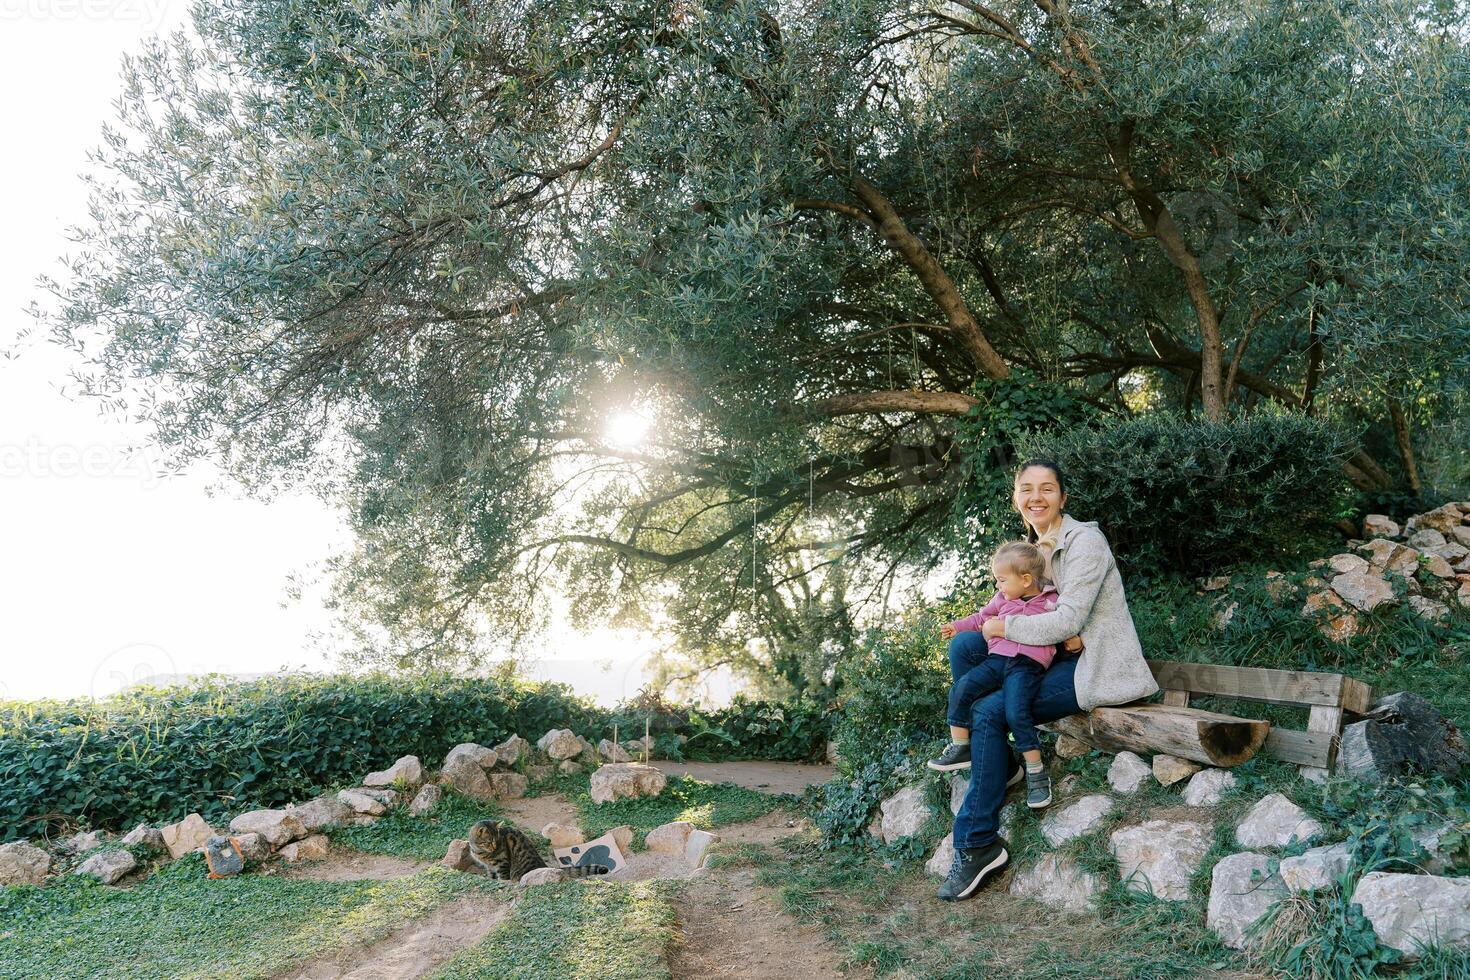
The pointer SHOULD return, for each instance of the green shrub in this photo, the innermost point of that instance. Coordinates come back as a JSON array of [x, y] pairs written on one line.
[[1193, 496]]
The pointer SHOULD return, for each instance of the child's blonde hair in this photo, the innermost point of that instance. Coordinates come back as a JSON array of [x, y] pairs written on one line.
[[1023, 558]]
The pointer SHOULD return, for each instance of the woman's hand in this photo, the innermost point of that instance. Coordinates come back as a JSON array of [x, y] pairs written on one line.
[[946, 632], [1074, 645], [995, 629]]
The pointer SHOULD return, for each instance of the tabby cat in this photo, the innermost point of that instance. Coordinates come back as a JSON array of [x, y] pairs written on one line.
[[505, 852]]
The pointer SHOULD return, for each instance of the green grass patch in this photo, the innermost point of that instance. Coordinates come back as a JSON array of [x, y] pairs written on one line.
[[179, 925], [705, 805], [576, 930], [427, 837]]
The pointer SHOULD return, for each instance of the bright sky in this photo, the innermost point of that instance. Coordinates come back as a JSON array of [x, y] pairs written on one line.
[[110, 573]]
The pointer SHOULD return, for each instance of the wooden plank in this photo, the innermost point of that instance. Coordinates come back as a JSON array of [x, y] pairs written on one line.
[[1189, 733], [1357, 697], [1304, 748], [1176, 699], [1251, 683]]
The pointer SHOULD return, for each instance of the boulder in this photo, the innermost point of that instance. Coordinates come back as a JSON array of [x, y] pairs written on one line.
[[697, 846], [388, 797], [322, 813], [1068, 747], [408, 770], [1401, 731], [1387, 556], [1453, 552], [1127, 773], [626, 780], [943, 859], [904, 814], [569, 767], [1208, 787], [313, 848], [1427, 539], [512, 751], [610, 751], [425, 800], [457, 858], [1461, 536], [1436, 565], [186, 836], [588, 753], [958, 787], [253, 847], [670, 838], [540, 876], [563, 834], [1160, 856], [23, 863], [476, 753], [1364, 590], [1275, 821], [1347, 563], [1169, 770], [1442, 519], [359, 802], [624, 838], [279, 827], [467, 777], [1316, 868], [1428, 608], [1058, 881], [507, 785], [144, 836], [1076, 819], [1380, 526], [1410, 912], [80, 843], [560, 743], [1338, 622], [1242, 889], [538, 774]]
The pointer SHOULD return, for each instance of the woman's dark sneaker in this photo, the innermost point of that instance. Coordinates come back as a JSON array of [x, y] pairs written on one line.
[[954, 756], [972, 867], [1038, 790]]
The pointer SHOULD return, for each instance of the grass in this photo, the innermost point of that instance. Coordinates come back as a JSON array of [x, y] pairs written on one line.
[[179, 925], [575, 931], [705, 805], [427, 837]]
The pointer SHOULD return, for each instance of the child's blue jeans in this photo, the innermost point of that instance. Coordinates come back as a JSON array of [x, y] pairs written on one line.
[[1017, 678]]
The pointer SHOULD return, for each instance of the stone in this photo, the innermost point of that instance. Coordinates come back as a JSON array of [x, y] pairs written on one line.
[[588, 752], [223, 857], [612, 752], [1453, 552], [698, 845], [1169, 769], [1380, 526], [426, 799], [831, 752], [313, 848], [540, 876], [1387, 556], [624, 838], [457, 858], [1214, 584], [1208, 787], [1068, 747], [1338, 622], [1316, 868], [507, 785], [322, 813], [1058, 881], [512, 751], [1275, 821], [360, 802], [569, 767], [467, 777], [1427, 539], [1076, 819], [1428, 608], [407, 770], [1127, 773], [1442, 519], [1345, 564], [626, 780], [388, 797], [1438, 860], [80, 843], [939, 864], [958, 787], [476, 753], [1436, 565], [562, 834], [1315, 774], [143, 836], [1461, 535], [1223, 617], [1409, 912], [186, 836], [1399, 732], [538, 774], [1364, 590], [253, 847], [23, 863], [560, 743], [280, 827], [1160, 856], [670, 838], [364, 820], [1242, 889], [905, 813], [1279, 587]]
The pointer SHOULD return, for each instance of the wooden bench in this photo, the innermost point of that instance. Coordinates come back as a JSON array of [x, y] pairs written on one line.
[[1174, 727]]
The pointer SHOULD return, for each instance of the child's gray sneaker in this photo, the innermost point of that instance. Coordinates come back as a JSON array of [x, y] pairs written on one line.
[[1038, 789], [954, 756]]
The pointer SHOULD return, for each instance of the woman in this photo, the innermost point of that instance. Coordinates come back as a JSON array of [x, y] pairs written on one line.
[[1109, 670]]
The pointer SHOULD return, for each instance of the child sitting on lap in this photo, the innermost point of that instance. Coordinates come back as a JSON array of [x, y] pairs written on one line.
[[1011, 667]]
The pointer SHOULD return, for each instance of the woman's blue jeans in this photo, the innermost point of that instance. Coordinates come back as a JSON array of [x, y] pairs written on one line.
[[991, 763]]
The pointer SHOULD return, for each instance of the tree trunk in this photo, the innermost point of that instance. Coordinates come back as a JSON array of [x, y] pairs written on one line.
[[1406, 446]]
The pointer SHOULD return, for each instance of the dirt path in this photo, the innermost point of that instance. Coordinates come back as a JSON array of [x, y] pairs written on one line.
[[731, 928], [414, 950], [768, 777]]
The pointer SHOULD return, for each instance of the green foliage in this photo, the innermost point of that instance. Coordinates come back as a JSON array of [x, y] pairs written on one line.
[[427, 837], [794, 731], [1195, 496], [705, 805]]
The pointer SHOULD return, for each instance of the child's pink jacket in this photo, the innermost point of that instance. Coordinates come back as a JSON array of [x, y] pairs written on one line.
[[1044, 601]]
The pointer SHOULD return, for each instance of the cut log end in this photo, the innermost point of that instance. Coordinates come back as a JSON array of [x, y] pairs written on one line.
[[1188, 733], [1229, 743]]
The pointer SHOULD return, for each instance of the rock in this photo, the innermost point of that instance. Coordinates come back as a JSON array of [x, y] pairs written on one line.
[[1461, 535], [560, 743], [624, 838], [1338, 622], [958, 787], [313, 848], [626, 780], [1400, 731], [512, 751], [904, 814], [186, 836], [612, 752], [569, 767], [145, 837], [359, 802], [223, 857], [831, 752], [1345, 564], [1315, 774], [467, 777], [22, 863], [1071, 748], [1242, 889], [80, 843], [943, 858], [1208, 787], [1442, 519], [388, 797], [563, 834], [1279, 587], [1275, 821], [538, 774], [697, 846], [1364, 590], [457, 858], [322, 813], [1438, 862], [540, 876], [1059, 881], [508, 785], [253, 847], [407, 770], [1127, 773], [1223, 617], [364, 820], [1386, 556], [1076, 819], [476, 753], [1169, 770], [1160, 856], [1379, 526], [588, 753], [1427, 540], [279, 827], [1413, 911], [1428, 608], [1214, 584], [1436, 565], [1453, 552], [425, 800], [1317, 868], [670, 838]]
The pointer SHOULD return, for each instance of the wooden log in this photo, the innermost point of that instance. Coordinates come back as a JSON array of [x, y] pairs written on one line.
[[1188, 733]]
